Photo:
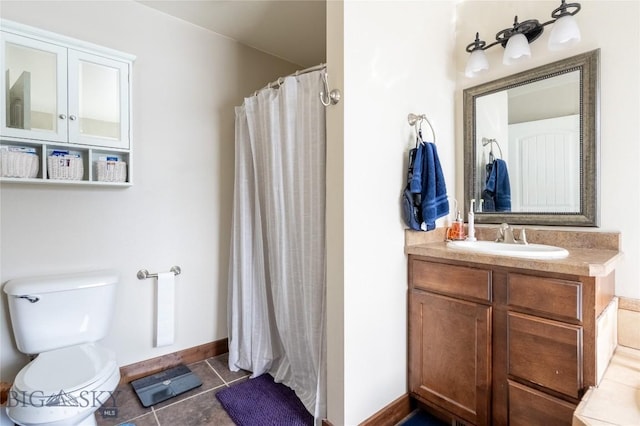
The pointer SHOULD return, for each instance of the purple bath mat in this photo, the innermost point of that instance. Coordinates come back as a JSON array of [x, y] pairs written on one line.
[[262, 402]]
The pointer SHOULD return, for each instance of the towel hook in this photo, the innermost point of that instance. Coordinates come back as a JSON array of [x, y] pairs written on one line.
[[415, 120]]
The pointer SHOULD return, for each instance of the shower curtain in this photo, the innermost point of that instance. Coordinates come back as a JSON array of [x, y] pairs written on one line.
[[277, 266]]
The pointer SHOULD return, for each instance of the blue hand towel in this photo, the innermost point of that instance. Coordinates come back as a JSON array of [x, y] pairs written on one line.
[[411, 209], [435, 202], [415, 185], [498, 187]]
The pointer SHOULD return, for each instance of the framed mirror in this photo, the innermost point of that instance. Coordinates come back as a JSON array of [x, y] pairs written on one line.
[[531, 145]]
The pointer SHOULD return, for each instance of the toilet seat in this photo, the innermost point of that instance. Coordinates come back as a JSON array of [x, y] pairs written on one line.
[[69, 369], [63, 386]]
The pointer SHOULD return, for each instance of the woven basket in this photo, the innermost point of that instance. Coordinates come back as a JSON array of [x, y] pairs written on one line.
[[19, 164], [65, 168], [111, 171]]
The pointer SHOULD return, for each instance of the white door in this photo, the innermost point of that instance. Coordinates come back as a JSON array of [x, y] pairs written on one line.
[[544, 165]]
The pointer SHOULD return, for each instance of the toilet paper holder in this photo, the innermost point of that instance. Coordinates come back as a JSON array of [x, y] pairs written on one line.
[[143, 274]]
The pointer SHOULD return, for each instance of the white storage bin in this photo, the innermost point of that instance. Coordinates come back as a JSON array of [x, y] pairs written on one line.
[[111, 171], [65, 167], [17, 164]]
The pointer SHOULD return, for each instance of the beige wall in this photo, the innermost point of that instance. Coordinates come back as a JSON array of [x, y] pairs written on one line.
[[397, 59], [335, 218], [186, 82]]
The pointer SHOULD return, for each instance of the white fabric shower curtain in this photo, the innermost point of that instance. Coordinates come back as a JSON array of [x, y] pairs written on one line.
[[277, 266]]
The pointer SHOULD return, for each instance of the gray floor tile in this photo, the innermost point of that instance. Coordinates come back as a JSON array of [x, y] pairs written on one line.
[[208, 377], [198, 407], [200, 410], [146, 420], [127, 406], [221, 365]]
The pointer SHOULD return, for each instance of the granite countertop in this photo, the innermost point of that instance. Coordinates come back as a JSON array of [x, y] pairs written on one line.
[[590, 253]]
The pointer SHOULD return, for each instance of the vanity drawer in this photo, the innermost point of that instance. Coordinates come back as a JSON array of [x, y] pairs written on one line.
[[545, 352], [550, 297], [529, 407], [460, 281]]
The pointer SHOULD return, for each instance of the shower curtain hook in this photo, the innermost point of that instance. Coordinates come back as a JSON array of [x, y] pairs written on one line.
[[326, 90], [332, 97]]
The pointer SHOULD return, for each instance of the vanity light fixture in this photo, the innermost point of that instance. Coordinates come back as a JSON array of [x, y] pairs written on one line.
[[515, 40]]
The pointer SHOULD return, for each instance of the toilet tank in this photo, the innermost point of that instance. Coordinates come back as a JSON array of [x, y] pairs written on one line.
[[55, 311]]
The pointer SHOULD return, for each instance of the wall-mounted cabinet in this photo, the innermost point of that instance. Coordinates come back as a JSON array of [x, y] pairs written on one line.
[[68, 103]]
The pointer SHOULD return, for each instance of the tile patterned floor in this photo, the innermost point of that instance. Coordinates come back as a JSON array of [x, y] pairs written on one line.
[[198, 407]]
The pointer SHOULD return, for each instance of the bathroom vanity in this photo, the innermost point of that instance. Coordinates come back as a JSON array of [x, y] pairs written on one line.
[[498, 340]]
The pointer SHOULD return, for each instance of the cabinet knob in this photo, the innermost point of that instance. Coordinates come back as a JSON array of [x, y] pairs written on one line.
[[62, 116], [72, 117]]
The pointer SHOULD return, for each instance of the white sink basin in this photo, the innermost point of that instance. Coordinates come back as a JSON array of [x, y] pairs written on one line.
[[533, 251]]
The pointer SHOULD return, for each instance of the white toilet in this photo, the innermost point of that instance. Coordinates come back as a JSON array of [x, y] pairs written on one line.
[[60, 318]]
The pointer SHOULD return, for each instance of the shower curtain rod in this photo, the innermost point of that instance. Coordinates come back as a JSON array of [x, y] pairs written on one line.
[[280, 80]]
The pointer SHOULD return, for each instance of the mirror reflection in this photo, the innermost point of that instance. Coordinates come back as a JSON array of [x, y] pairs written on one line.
[[99, 106], [31, 80], [530, 145], [527, 142]]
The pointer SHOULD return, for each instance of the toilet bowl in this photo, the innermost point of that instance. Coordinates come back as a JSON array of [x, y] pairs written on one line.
[[60, 318], [64, 386]]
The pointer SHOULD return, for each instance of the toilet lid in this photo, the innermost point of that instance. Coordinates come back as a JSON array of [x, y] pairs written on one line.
[[68, 369]]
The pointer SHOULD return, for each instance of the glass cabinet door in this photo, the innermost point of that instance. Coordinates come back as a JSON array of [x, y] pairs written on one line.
[[98, 101], [35, 87]]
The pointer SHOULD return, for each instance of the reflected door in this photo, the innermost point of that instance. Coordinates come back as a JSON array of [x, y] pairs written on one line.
[[35, 89], [98, 101], [544, 156]]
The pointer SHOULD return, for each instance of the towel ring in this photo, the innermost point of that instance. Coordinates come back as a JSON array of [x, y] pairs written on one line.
[[415, 119]]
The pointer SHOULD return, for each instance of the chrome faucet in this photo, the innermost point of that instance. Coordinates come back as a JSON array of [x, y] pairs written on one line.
[[505, 235]]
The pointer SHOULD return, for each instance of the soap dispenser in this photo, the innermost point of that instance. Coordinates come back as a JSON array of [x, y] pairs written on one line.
[[456, 231]]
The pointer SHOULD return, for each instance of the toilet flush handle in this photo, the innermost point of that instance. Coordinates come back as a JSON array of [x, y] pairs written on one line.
[[32, 299]]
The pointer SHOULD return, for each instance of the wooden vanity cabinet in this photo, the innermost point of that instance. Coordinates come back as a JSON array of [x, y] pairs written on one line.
[[501, 346], [450, 339]]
